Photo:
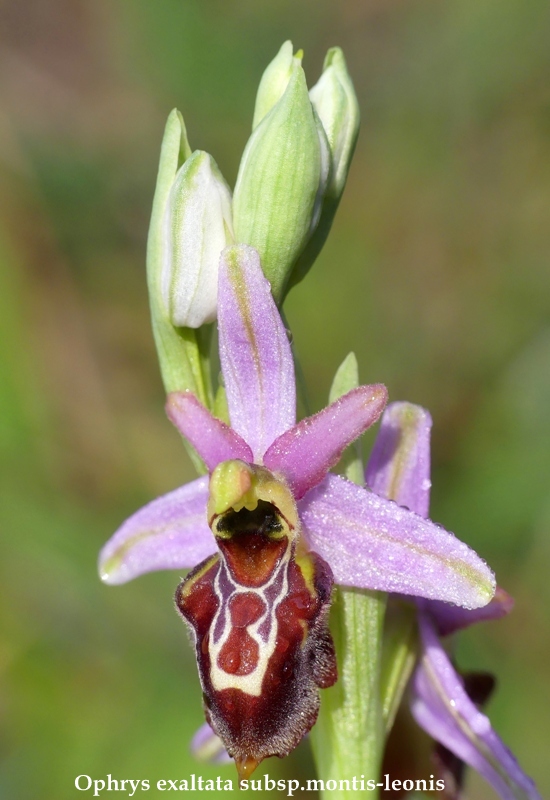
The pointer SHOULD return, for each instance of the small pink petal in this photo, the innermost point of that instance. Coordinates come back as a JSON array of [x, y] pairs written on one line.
[[399, 465], [213, 440], [306, 452]]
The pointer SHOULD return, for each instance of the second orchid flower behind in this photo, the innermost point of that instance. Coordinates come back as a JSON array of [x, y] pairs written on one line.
[[399, 467], [271, 528]]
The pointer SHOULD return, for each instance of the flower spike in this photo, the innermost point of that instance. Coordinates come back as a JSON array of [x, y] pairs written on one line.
[[270, 529]]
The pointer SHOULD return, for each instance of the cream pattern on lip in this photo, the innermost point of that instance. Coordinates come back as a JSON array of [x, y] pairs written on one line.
[[263, 631]]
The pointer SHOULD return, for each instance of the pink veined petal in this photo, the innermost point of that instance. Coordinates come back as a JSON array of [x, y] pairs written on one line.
[[255, 352], [169, 533], [373, 543], [213, 440], [448, 619], [306, 452], [399, 465], [399, 469], [207, 746], [442, 707]]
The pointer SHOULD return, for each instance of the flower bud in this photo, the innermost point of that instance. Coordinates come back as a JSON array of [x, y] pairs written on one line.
[[274, 81], [197, 227], [182, 351], [278, 182], [335, 102], [325, 175]]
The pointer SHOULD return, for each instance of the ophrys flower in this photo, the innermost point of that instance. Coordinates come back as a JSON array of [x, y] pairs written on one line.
[[257, 602]]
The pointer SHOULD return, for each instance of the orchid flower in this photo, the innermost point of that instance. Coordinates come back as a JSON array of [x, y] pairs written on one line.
[[271, 527], [400, 468]]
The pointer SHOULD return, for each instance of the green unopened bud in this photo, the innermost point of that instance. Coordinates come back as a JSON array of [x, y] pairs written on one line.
[[197, 227], [278, 181], [334, 99], [274, 81], [183, 351], [325, 176], [335, 103]]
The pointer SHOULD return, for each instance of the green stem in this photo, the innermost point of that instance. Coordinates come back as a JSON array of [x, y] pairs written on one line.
[[399, 655], [348, 739]]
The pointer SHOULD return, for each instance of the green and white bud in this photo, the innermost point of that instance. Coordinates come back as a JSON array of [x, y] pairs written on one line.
[[183, 351], [325, 176], [334, 100], [274, 81], [197, 227], [274, 202]]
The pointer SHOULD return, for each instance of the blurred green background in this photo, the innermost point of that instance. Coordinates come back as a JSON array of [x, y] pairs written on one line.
[[435, 273]]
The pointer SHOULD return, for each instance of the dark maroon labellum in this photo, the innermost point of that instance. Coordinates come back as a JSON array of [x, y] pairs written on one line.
[[259, 610]]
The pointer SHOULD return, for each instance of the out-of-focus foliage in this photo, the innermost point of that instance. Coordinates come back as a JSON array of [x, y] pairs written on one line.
[[436, 273]]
